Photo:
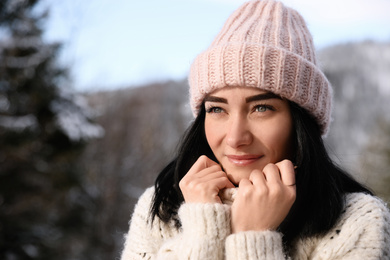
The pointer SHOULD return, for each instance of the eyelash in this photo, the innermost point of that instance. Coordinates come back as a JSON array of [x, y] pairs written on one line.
[[212, 109], [267, 107]]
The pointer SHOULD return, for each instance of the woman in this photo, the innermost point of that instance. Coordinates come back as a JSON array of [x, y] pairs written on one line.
[[252, 178]]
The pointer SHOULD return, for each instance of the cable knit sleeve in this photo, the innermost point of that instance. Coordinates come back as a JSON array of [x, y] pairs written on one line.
[[202, 236], [254, 245], [204, 230]]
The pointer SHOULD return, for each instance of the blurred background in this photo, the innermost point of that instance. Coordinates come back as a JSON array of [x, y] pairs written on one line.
[[93, 100]]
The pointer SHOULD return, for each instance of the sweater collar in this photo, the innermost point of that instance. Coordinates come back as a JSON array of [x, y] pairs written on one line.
[[228, 195]]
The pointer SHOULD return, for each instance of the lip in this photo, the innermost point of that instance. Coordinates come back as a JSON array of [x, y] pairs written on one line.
[[243, 160]]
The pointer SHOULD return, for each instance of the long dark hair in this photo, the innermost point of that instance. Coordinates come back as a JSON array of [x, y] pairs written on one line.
[[320, 183]]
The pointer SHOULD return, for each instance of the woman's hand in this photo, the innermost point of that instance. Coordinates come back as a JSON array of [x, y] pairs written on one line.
[[263, 201], [203, 182]]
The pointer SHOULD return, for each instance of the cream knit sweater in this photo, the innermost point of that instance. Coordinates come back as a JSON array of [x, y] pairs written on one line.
[[363, 232]]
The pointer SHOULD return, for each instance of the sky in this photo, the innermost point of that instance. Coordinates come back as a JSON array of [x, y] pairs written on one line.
[[111, 44]]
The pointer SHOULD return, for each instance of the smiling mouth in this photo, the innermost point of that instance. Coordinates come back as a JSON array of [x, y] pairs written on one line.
[[243, 160]]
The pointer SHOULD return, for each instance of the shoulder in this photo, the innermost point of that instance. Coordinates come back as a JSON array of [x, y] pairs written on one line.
[[142, 207], [141, 221], [364, 223], [362, 232], [145, 237], [361, 207], [365, 213], [147, 196]]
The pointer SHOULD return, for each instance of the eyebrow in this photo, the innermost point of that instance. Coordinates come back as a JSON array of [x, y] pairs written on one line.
[[264, 96], [215, 99], [268, 95]]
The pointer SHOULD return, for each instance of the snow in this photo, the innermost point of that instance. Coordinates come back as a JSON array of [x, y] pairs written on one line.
[[73, 117], [19, 123], [28, 61], [14, 4], [4, 103], [77, 127]]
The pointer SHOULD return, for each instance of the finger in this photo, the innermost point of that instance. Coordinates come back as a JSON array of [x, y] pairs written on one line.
[[287, 172], [207, 161], [257, 178], [222, 183], [210, 171], [244, 183], [217, 181], [202, 163], [210, 174], [203, 176], [272, 173]]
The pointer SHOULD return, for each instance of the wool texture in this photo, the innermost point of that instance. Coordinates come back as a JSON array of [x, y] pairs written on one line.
[[362, 232], [265, 45]]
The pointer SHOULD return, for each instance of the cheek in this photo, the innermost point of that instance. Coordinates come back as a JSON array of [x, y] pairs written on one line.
[[213, 135], [279, 140]]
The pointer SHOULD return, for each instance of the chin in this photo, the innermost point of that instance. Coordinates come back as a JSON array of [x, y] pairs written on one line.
[[236, 175]]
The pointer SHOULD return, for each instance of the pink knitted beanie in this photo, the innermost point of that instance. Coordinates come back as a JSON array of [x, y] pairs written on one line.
[[264, 45]]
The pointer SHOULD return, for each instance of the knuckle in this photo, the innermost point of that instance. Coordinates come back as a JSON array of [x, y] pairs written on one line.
[[270, 167], [286, 164], [203, 158], [216, 168], [183, 183], [205, 161], [256, 172], [246, 193], [192, 185]]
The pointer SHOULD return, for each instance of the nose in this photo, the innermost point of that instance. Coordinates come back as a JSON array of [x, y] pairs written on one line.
[[238, 132]]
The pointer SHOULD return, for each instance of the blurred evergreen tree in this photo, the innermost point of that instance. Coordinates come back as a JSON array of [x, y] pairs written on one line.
[[44, 204]]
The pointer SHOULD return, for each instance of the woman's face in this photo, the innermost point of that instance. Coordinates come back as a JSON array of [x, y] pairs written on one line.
[[247, 128]]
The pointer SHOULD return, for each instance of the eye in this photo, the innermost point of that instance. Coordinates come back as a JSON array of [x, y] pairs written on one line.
[[263, 108], [215, 110]]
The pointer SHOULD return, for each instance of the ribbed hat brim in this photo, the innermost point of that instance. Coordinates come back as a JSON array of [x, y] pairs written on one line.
[[265, 67]]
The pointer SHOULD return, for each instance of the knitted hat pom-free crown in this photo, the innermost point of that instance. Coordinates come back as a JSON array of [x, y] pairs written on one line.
[[268, 46]]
